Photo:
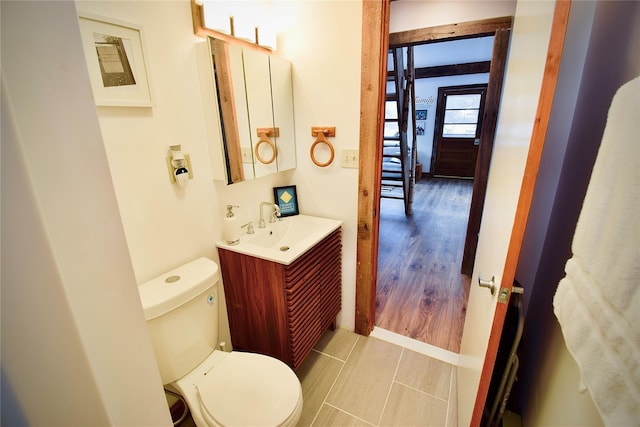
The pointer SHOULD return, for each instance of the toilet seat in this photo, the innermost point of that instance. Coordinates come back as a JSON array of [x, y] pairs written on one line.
[[250, 389]]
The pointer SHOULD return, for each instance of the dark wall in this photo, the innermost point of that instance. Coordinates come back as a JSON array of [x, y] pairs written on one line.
[[612, 59]]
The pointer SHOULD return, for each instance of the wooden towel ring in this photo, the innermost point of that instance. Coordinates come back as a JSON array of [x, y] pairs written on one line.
[[274, 151], [321, 138]]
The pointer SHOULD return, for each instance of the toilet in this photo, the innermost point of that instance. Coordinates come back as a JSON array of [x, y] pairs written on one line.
[[220, 388]]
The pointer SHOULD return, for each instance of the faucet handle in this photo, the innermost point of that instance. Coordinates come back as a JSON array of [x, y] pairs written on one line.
[[249, 226], [275, 216]]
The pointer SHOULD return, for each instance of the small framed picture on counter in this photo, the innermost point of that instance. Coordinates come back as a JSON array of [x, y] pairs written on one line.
[[287, 199]]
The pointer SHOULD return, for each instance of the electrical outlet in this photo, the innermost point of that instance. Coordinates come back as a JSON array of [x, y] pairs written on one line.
[[350, 158], [247, 155]]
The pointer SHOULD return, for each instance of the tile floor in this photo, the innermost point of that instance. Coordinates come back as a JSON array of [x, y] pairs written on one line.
[[352, 380]]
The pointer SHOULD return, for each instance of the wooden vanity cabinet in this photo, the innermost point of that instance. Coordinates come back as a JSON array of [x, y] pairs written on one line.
[[283, 310]]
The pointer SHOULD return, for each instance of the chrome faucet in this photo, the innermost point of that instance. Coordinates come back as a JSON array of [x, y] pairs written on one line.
[[272, 217]]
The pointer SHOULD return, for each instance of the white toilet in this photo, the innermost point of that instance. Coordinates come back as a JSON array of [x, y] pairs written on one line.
[[220, 388]]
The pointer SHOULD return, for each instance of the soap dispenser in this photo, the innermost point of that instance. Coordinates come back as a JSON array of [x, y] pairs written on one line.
[[231, 227]]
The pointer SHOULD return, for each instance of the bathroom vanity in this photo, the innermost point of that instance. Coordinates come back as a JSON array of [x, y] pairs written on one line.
[[282, 309]]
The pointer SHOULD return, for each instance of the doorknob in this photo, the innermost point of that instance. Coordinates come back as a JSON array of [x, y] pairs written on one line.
[[490, 284]]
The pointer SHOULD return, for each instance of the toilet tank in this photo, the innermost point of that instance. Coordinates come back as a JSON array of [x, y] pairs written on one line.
[[181, 308]]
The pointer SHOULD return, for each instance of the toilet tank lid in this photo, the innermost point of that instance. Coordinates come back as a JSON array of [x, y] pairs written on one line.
[[176, 287]]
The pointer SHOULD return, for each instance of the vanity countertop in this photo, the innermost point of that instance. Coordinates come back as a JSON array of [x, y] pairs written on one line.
[[285, 240]]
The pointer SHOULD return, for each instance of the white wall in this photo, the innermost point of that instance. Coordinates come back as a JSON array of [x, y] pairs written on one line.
[[24, 306], [323, 40], [75, 346], [574, 53], [411, 14], [557, 398], [163, 225], [599, 56], [167, 226]]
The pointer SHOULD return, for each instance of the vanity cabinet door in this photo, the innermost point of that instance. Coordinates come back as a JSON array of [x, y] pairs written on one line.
[[257, 79], [282, 89], [256, 307], [303, 305], [330, 271], [313, 290]]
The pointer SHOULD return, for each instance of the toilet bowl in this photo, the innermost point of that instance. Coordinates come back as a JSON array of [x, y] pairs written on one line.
[[220, 388], [242, 389]]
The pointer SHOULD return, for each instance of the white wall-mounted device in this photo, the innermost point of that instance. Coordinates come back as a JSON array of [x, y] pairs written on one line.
[[179, 165]]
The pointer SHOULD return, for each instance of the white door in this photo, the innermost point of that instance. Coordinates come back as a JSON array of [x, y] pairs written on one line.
[[525, 67]]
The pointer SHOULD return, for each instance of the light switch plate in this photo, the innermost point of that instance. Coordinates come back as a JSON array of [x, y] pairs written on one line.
[[247, 155], [350, 158]]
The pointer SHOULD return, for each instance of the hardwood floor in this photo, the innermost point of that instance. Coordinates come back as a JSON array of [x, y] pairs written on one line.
[[420, 291]]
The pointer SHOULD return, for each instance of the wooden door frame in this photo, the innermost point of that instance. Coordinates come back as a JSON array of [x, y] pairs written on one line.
[[375, 41], [375, 45]]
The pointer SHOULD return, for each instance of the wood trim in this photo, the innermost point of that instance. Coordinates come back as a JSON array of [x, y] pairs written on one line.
[[375, 45], [453, 70], [489, 123], [224, 85], [538, 135], [375, 30], [197, 19], [450, 32]]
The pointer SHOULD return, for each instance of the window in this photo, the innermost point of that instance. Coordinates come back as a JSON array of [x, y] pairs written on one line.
[[391, 129], [461, 116]]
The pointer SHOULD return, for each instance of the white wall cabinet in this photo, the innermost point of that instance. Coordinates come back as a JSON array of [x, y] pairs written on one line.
[[250, 101]]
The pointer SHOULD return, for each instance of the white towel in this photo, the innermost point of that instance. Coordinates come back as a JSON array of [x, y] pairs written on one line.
[[597, 303]]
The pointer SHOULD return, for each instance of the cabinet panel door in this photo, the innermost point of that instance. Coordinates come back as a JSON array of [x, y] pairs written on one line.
[[255, 304], [331, 281], [258, 85], [303, 308], [282, 89], [226, 73]]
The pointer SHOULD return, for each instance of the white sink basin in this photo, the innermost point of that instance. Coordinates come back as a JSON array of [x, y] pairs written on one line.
[[285, 240]]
